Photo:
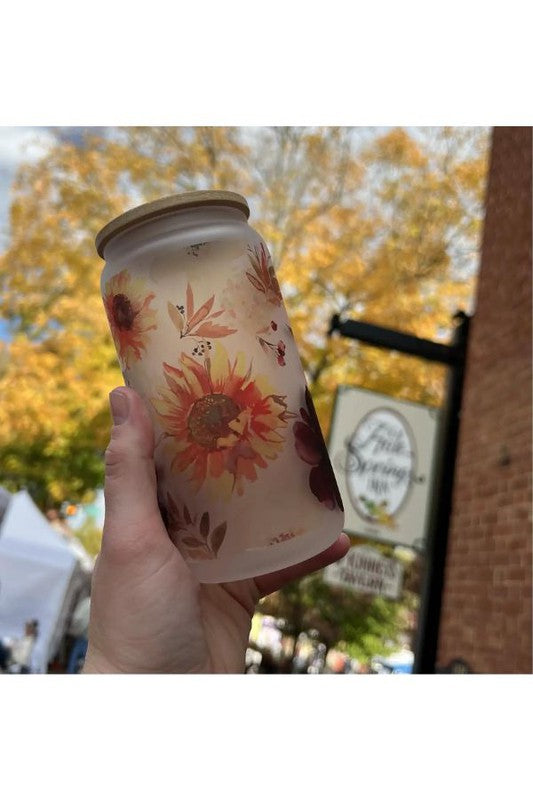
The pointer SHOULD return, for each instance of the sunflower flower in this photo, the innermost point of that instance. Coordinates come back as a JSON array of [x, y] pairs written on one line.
[[224, 423], [127, 305]]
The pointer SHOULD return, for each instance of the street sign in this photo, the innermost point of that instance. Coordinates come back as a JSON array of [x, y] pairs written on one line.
[[363, 569], [382, 450]]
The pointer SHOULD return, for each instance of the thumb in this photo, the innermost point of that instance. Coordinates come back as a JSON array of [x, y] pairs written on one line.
[[133, 522]]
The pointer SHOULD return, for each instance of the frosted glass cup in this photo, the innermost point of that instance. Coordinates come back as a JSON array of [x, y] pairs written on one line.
[[245, 484]]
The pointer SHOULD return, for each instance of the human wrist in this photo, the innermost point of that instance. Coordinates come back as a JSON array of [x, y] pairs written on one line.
[[97, 664]]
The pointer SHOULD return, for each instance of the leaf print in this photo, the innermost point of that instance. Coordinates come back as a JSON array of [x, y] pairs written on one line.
[[171, 504], [190, 542], [253, 280], [175, 316], [215, 331], [278, 350], [264, 279], [202, 313], [190, 302], [204, 525], [191, 538], [264, 344], [217, 537], [199, 323]]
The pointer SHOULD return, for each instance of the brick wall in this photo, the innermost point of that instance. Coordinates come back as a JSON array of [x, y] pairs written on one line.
[[487, 602]]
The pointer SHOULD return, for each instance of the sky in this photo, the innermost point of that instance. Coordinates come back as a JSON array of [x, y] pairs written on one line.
[[28, 144], [18, 145], [23, 145]]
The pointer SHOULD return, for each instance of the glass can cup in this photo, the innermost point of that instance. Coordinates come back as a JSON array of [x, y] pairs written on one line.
[[245, 484]]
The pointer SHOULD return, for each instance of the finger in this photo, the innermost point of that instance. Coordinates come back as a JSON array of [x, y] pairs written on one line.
[[267, 584], [132, 513]]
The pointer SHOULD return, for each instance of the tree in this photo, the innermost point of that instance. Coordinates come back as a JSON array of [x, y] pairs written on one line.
[[383, 227], [361, 625]]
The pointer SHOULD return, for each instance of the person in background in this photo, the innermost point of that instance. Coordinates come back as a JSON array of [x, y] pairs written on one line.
[[58, 523], [79, 630], [22, 649]]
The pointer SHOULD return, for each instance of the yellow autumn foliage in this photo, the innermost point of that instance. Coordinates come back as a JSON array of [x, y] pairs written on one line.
[[383, 228]]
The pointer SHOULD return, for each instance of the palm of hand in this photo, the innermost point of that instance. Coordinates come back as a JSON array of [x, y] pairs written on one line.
[[169, 622], [149, 614]]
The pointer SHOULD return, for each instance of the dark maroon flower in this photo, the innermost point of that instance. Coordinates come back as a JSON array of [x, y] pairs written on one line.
[[311, 448]]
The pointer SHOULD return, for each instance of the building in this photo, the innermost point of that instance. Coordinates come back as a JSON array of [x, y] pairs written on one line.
[[486, 618]]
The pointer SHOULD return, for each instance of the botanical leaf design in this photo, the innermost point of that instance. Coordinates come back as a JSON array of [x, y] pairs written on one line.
[[173, 519], [202, 313], [264, 279], [204, 525], [171, 504], [214, 331], [175, 316], [190, 542], [198, 323], [264, 344], [278, 350], [253, 280], [217, 537], [189, 535], [190, 302]]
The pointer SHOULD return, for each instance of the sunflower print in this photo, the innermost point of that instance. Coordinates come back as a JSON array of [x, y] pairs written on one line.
[[224, 424], [127, 304]]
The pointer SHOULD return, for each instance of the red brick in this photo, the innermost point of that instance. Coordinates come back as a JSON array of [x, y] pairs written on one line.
[[487, 601]]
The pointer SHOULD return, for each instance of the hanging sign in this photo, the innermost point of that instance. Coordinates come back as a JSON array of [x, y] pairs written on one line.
[[365, 570], [382, 452]]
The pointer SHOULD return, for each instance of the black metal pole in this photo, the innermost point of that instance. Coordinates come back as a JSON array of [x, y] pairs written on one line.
[[454, 356], [390, 339], [437, 542]]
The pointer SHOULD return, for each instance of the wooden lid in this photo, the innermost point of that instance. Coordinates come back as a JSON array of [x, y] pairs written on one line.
[[166, 205]]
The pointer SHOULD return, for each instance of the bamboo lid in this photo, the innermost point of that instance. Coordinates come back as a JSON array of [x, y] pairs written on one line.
[[165, 205]]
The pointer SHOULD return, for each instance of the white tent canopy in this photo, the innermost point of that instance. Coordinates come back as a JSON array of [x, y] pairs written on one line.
[[41, 575]]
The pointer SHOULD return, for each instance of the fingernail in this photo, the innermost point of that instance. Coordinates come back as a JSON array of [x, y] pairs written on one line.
[[120, 406]]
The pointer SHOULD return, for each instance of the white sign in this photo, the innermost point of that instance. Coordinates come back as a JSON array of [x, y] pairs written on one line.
[[379, 464], [382, 452], [365, 570]]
